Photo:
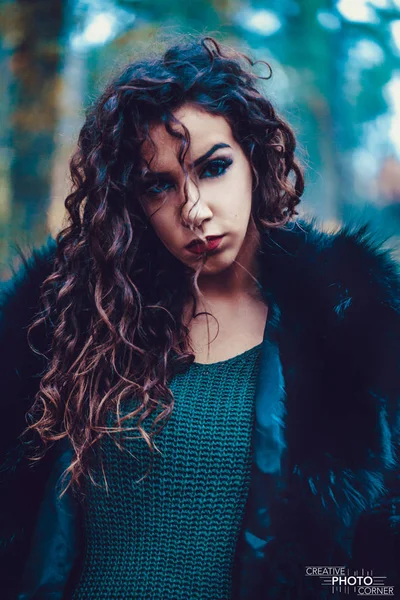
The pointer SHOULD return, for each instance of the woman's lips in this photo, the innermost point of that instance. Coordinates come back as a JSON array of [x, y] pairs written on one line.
[[200, 247]]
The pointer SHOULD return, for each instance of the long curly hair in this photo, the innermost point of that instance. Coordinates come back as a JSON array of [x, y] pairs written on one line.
[[114, 301]]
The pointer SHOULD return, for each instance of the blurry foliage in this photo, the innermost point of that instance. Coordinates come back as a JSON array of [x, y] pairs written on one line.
[[329, 79]]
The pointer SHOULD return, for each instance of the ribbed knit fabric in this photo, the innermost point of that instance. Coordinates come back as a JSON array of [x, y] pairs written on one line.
[[172, 536]]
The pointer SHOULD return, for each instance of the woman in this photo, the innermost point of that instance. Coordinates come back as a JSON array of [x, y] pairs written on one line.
[[216, 382]]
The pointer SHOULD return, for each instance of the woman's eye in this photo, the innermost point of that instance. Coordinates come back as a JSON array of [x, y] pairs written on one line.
[[216, 168]]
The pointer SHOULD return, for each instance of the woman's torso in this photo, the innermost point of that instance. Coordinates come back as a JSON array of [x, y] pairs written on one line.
[[173, 534]]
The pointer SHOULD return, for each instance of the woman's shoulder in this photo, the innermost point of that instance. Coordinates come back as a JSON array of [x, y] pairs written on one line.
[[23, 287], [19, 296], [339, 292], [19, 365], [353, 262]]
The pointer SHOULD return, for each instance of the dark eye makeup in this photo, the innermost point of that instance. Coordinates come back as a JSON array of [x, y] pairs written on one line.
[[213, 169]]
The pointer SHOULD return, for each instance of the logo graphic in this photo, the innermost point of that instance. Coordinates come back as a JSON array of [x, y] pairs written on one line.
[[340, 579]]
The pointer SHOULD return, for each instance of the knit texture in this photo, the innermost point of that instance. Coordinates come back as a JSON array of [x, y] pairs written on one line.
[[172, 535]]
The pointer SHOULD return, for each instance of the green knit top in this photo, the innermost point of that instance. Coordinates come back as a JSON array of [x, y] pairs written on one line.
[[172, 535]]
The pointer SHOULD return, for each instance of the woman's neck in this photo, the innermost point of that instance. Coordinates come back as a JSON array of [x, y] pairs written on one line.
[[227, 287]]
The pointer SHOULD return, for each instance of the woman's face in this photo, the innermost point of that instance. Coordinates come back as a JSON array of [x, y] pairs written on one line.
[[220, 205]]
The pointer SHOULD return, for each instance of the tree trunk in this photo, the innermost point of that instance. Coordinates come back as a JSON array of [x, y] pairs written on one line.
[[35, 65]]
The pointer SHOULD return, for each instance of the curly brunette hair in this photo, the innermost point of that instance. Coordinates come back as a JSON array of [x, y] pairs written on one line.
[[115, 299]]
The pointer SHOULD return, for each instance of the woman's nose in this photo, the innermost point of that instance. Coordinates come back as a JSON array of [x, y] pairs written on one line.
[[195, 210]]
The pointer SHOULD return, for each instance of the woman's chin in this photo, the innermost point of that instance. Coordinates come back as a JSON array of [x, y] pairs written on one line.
[[216, 263], [213, 262]]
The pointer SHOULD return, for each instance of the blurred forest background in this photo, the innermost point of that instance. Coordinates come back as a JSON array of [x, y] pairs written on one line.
[[336, 78]]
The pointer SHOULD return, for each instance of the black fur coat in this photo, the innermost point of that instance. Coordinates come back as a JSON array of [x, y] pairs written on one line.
[[325, 488]]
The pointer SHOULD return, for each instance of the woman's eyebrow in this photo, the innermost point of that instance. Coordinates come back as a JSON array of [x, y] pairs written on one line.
[[198, 161], [204, 157]]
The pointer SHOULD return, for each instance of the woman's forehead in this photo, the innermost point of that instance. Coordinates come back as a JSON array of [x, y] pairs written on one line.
[[205, 131]]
